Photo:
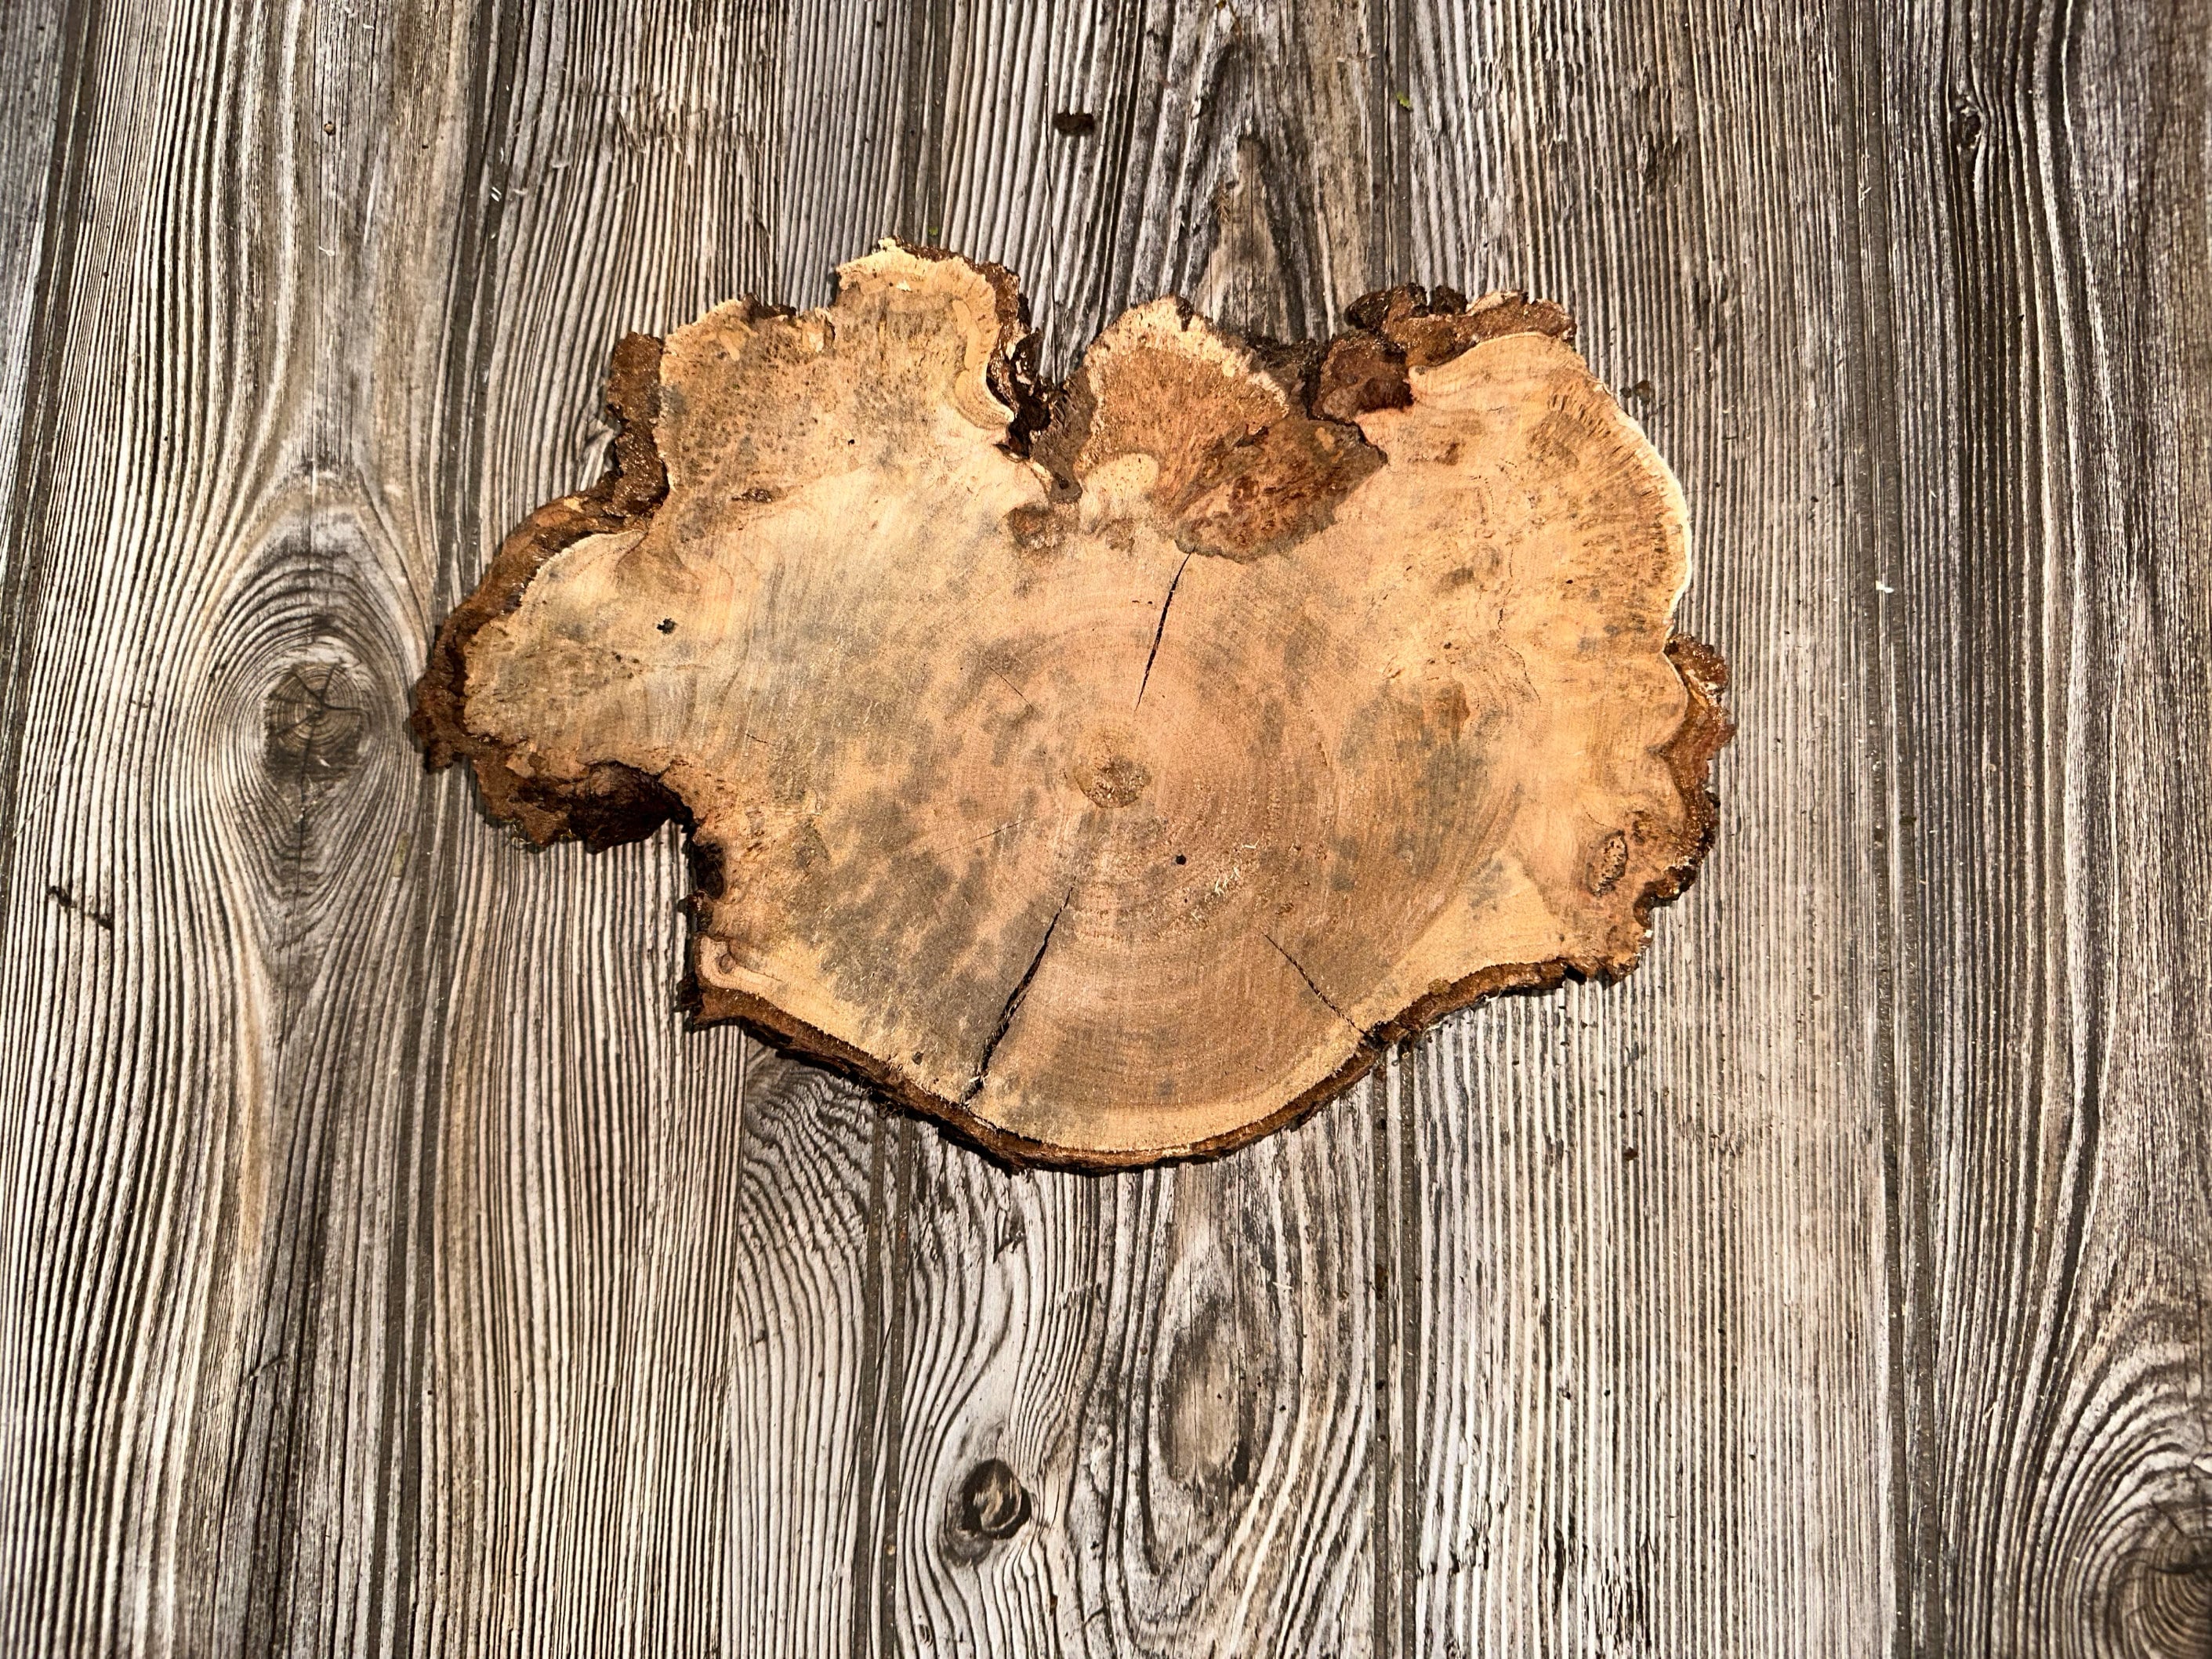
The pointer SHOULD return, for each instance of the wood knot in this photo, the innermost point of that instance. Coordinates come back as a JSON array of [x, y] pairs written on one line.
[[2163, 1593], [1115, 783], [1109, 775], [992, 1502], [313, 720], [1038, 532], [1608, 864], [1210, 1423]]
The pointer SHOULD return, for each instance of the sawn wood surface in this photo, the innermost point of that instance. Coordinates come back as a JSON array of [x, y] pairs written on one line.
[[384, 1270]]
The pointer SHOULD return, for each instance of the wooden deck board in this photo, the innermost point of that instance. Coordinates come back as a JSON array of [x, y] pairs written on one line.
[[384, 1268]]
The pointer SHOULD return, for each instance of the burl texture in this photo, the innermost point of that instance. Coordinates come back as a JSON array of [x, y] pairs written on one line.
[[1109, 771]]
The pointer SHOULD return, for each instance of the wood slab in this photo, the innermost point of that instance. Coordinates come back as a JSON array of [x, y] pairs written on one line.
[[1111, 772]]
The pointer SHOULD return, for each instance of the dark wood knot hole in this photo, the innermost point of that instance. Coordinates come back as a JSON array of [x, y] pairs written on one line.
[[313, 720], [992, 1502]]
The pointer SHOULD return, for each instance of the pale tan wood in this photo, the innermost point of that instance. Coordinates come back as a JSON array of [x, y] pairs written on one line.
[[1258, 708]]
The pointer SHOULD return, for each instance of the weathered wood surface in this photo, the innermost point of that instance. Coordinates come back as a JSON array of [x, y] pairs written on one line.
[[383, 1269]]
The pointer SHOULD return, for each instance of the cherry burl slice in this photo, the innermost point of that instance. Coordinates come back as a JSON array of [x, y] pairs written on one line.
[[1108, 771]]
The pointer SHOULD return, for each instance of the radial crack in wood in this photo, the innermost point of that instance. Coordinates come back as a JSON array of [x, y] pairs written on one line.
[[887, 624]]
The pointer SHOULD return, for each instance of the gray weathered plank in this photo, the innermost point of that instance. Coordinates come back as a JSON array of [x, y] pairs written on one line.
[[2049, 658], [1641, 1246], [148, 916], [33, 188], [385, 1267], [651, 1340], [1184, 1346]]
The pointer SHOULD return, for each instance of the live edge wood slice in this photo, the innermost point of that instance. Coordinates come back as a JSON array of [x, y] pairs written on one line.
[[1108, 771]]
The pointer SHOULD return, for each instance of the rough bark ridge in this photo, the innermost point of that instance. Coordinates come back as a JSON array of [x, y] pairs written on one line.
[[1107, 772]]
